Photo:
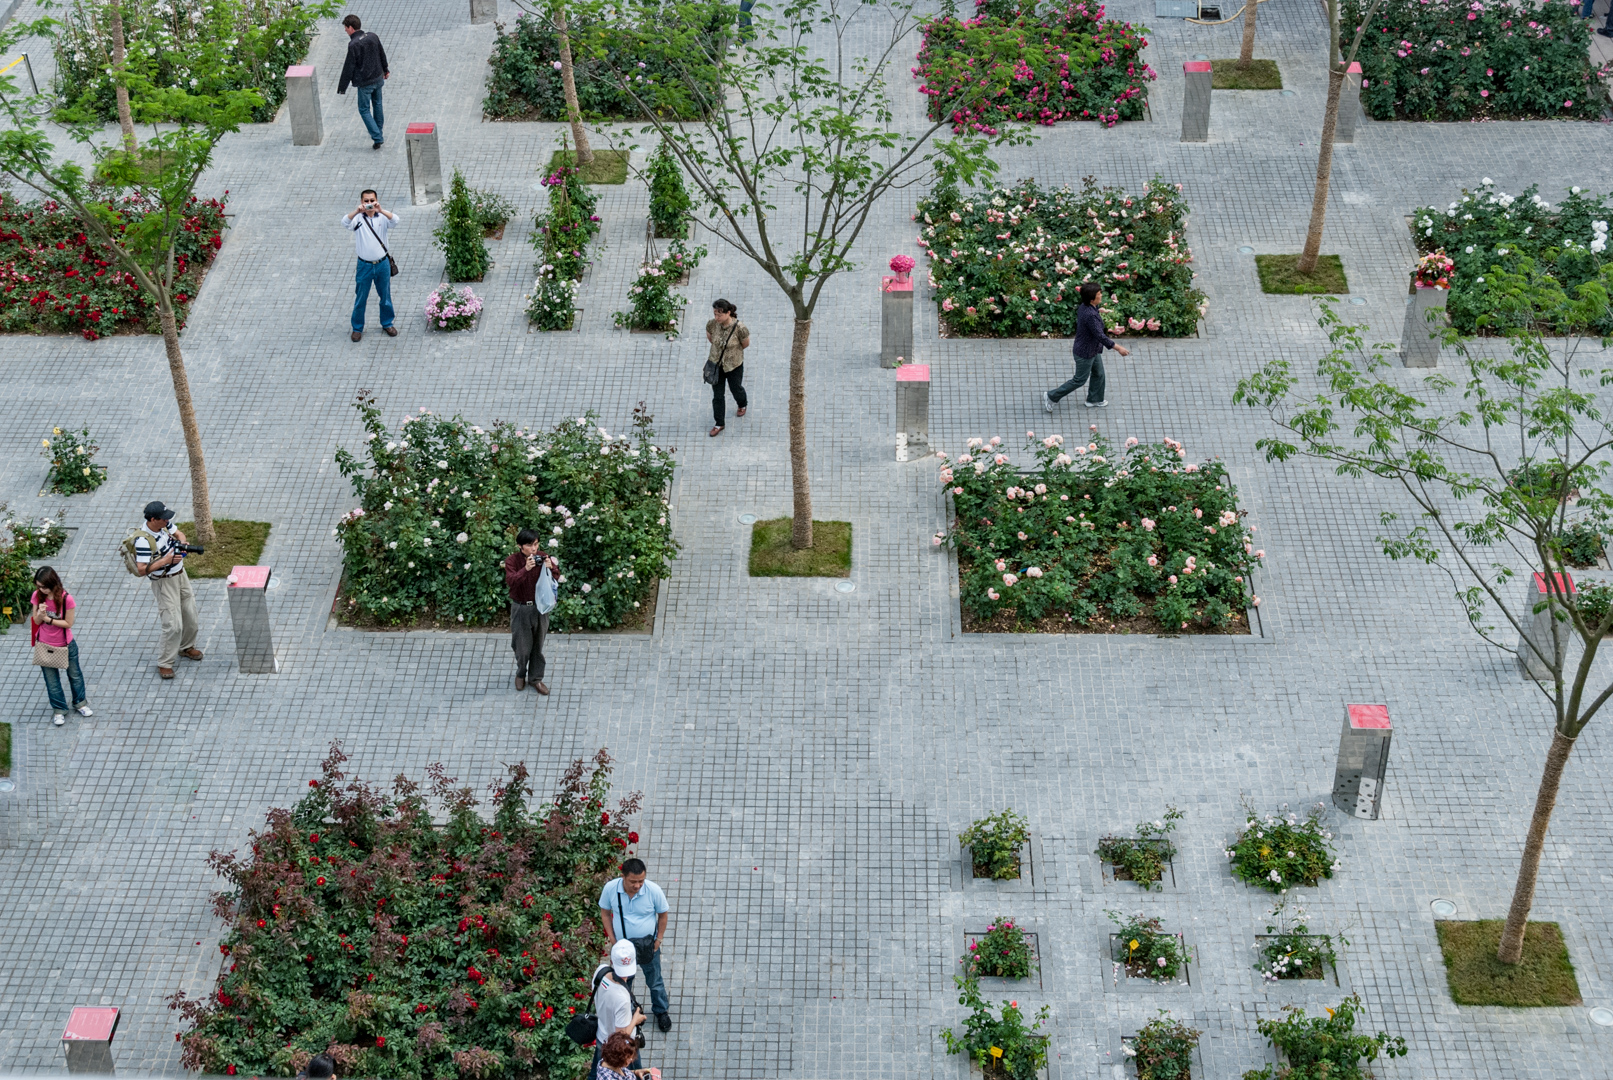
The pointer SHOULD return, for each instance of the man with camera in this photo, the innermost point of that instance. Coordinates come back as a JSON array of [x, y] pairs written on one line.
[[159, 554], [370, 225], [529, 613]]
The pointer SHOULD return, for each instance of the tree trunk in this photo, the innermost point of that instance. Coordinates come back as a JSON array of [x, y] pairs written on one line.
[[568, 82], [1523, 893], [1324, 175], [125, 118], [801, 533], [1246, 54], [200, 502]]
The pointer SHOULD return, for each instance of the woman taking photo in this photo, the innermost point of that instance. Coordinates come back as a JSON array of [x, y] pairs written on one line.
[[54, 611]]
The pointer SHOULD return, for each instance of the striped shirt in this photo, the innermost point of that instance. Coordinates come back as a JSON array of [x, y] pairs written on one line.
[[166, 540]]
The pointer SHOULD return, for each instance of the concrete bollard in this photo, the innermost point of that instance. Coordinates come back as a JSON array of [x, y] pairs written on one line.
[[1363, 760], [1196, 101], [1541, 626], [1349, 106], [896, 321], [302, 101], [913, 410], [425, 163], [249, 615], [482, 11], [1421, 339], [87, 1040]]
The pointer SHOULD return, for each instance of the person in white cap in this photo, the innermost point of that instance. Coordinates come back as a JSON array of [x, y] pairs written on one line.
[[613, 1001]]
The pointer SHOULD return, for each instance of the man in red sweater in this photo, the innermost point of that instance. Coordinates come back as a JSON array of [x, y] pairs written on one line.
[[528, 625]]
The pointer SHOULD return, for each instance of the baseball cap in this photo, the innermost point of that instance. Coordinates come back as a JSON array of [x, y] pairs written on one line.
[[157, 510], [624, 959]]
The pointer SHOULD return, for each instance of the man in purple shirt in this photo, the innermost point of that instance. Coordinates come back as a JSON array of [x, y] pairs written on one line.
[[1090, 341]]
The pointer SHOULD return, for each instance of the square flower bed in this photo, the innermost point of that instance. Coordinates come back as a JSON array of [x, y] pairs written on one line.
[[1146, 950], [450, 308], [441, 501], [403, 950], [1004, 951], [1476, 59], [1085, 542], [1488, 230], [1010, 262], [1289, 951], [1146, 857], [1013, 63], [1278, 851]]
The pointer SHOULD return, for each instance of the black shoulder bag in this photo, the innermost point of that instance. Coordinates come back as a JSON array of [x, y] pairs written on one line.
[[713, 376], [643, 947], [390, 261], [583, 1029]]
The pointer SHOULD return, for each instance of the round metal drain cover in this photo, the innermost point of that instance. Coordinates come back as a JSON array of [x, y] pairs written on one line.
[[1286, 93], [747, 519], [1602, 1015], [1246, 250], [1358, 300], [1443, 909], [7, 785], [845, 586], [1200, 56], [275, 581]]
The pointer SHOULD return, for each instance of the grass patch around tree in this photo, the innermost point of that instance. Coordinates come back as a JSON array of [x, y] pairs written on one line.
[[1277, 275], [237, 543], [772, 556], [1261, 75], [1544, 978], [5, 749], [608, 166]]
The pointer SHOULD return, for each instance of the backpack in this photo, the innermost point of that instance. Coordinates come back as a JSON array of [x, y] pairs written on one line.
[[126, 548], [583, 1028]]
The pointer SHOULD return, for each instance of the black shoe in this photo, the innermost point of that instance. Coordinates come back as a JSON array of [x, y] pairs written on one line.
[[663, 1021], [377, 146], [1605, 32]]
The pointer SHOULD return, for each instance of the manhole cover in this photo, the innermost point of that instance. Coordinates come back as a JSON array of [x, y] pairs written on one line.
[[1246, 250], [747, 519], [7, 785], [1443, 909], [1201, 56], [1599, 1015], [1358, 300], [845, 586], [1285, 93], [275, 581]]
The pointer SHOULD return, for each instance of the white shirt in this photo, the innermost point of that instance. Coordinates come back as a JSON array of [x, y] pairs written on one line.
[[368, 245], [614, 1005]]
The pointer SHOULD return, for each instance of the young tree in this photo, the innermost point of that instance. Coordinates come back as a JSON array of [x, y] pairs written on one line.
[[1246, 52], [555, 15], [159, 180], [119, 65], [1495, 463], [793, 148]]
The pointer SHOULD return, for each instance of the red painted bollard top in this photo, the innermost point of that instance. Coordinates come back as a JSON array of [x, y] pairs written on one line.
[[1369, 716], [90, 1024]]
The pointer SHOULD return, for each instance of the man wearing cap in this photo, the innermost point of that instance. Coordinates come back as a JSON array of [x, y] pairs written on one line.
[[613, 1001], [157, 557], [634, 910]]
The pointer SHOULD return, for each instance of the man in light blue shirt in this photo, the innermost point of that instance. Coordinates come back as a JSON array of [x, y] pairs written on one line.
[[370, 225], [634, 909]]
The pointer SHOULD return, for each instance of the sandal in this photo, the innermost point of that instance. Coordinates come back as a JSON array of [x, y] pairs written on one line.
[[714, 432]]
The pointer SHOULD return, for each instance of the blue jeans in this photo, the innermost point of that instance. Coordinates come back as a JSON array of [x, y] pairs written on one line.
[[659, 1003], [378, 274], [369, 99], [1085, 366], [75, 679]]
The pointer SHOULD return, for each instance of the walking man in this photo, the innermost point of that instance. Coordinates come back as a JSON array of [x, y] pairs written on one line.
[[365, 68], [370, 226], [729, 339], [634, 910], [1090, 341], [157, 556], [528, 625]]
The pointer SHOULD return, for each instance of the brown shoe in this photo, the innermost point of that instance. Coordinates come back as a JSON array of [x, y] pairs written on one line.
[[358, 335], [741, 411], [543, 687], [520, 683], [166, 672], [191, 654], [391, 331], [714, 432]]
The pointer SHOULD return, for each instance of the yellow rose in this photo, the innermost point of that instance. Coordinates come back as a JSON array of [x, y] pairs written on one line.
[[44, 442], [56, 431], [86, 470]]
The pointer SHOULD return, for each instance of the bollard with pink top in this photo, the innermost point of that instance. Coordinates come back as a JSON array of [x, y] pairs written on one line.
[[1196, 101], [87, 1040], [1546, 625], [483, 11], [425, 163], [896, 313], [1349, 106], [912, 411], [249, 615], [302, 103], [1363, 761]]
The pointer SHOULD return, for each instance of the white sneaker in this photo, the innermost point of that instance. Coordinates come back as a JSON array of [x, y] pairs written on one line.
[[1047, 402], [85, 710], [59, 719], [1097, 404]]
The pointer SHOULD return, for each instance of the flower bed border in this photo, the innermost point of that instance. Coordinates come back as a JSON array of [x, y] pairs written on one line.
[[1030, 859], [1329, 987], [1200, 1071], [1041, 978], [1106, 878], [1124, 982], [968, 1070]]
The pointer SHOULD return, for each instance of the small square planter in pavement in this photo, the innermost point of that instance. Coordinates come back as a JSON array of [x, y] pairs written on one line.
[[1109, 873], [1118, 978], [1333, 984], [968, 1070], [1041, 978], [1030, 868], [1121, 1042]]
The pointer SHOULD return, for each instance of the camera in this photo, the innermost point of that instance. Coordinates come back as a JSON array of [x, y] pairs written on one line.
[[189, 549]]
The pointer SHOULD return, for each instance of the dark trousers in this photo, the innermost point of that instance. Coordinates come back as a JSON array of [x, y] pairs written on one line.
[[659, 1002], [527, 630], [736, 381], [1085, 367]]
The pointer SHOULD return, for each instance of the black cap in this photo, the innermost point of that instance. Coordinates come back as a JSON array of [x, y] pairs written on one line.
[[157, 510]]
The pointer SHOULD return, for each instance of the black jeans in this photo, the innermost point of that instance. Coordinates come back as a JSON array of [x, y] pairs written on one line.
[[1085, 367], [527, 630], [736, 380]]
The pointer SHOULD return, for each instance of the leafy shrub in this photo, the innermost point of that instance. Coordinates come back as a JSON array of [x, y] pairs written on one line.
[[552, 303], [1001, 953], [524, 83], [16, 579], [1001, 1044], [459, 235], [1014, 64], [1595, 600], [249, 42], [994, 844], [1078, 538], [652, 303], [1581, 545], [440, 502], [1450, 60], [1292, 951], [1142, 858], [1487, 231], [450, 308], [562, 234], [35, 539], [55, 280], [1146, 950], [1010, 262], [1318, 1048], [72, 469], [358, 929], [670, 204], [1162, 1049], [1278, 852], [490, 209]]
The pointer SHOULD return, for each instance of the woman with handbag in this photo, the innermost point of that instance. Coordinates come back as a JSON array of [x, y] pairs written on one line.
[[726, 362], [55, 650]]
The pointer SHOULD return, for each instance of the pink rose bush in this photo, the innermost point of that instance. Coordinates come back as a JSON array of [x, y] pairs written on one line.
[[452, 308]]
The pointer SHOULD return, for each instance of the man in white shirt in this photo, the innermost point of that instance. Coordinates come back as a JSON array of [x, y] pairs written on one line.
[[370, 225], [158, 555], [613, 1002]]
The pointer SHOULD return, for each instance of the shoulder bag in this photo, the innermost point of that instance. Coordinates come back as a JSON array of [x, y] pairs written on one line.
[[713, 372], [390, 261], [46, 655], [643, 947], [583, 1029]]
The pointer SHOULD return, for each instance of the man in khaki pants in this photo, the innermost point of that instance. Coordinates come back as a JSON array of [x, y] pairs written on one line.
[[157, 556]]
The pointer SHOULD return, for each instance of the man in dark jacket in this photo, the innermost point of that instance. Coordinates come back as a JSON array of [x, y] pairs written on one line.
[[1090, 341], [528, 625], [365, 69]]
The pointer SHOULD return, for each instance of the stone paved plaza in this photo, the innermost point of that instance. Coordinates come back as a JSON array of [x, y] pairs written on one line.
[[807, 756]]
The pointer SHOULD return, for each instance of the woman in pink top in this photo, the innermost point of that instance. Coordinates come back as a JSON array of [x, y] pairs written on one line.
[[53, 616]]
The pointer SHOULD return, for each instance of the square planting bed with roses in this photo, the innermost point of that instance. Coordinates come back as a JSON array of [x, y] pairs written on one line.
[[405, 950], [1011, 262], [1090, 541]]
